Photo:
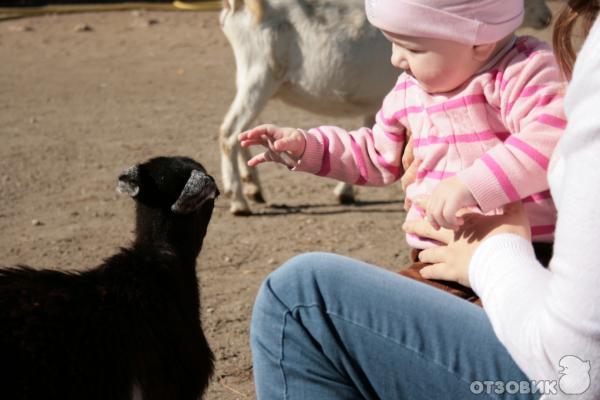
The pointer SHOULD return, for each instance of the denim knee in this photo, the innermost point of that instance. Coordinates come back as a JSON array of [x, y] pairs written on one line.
[[296, 281]]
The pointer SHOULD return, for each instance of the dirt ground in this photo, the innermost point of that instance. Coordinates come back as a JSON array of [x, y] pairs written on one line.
[[83, 96]]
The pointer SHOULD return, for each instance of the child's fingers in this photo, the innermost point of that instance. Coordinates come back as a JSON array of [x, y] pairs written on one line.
[[435, 213], [421, 201], [290, 143], [251, 142], [423, 228], [258, 159], [434, 223], [450, 220], [258, 131]]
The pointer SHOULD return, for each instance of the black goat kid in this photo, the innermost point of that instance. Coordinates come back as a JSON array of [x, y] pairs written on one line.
[[129, 328]]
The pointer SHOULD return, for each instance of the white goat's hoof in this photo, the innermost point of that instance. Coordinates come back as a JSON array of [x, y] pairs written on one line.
[[256, 197], [344, 193], [346, 198], [239, 210]]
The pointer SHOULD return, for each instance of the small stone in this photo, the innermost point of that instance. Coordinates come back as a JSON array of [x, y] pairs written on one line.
[[36, 222], [145, 23], [272, 261], [83, 28], [210, 310], [227, 259], [21, 28]]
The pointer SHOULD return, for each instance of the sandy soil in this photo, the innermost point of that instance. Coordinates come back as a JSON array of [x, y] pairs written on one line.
[[84, 96]]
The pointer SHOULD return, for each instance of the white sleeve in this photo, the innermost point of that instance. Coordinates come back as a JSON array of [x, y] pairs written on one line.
[[543, 315]]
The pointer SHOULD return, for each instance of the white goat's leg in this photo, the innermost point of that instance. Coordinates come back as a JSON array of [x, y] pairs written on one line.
[[343, 191], [253, 92], [250, 180]]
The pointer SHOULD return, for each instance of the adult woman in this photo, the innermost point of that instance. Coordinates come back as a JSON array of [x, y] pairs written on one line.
[[326, 326]]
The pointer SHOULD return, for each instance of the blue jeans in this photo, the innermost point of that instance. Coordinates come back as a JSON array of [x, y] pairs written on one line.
[[329, 327]]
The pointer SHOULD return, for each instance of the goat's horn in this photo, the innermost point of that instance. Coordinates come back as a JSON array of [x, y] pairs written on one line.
[[199, 188], [129, 181]]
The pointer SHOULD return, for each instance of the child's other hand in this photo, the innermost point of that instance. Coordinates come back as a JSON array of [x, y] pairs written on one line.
[[447, 199], [284, 145]]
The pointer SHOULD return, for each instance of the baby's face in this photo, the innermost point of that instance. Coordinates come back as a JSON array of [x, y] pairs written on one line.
[[438, 65]]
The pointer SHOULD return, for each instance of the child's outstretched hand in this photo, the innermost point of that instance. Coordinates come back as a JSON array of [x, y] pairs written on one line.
[[447, 199], [284, 145]]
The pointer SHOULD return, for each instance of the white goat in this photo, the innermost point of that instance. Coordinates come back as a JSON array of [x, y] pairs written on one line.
[[320, 55]]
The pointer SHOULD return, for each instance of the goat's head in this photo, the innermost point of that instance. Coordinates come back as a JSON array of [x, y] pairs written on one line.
[[178, 184], [175, 199]]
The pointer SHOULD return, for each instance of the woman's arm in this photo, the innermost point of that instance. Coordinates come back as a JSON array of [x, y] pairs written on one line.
[[542, 316]]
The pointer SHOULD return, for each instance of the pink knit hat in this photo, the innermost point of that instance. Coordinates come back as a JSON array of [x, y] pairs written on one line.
[[465, 21]]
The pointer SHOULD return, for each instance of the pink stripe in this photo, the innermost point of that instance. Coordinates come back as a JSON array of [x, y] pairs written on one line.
[[396, 171], [393, 137], [447, 105], [530, 90], [387, 121], [552, 121], [457, 103], [531, 152], [408, 110], [461, 138], [358, 156], [542, 101], [325, 163], [538, 197], [542, 230], [437, 175], [505, 183], [546, 99], [404, 85], [504, 84]]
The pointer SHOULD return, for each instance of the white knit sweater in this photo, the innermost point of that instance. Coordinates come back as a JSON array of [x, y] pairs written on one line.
[[544, 315]]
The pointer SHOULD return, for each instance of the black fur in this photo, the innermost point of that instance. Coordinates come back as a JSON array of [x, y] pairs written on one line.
[[133, 320]]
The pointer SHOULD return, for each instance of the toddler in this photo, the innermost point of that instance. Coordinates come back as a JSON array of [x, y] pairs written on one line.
[[483, 106]]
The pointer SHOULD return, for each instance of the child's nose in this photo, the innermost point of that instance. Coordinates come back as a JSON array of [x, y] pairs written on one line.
[[398, 58]]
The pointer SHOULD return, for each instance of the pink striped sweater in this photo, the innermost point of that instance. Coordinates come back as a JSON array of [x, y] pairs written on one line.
[[496, 132]]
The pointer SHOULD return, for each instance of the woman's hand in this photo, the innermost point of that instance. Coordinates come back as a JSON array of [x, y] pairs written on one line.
[[451, 262]]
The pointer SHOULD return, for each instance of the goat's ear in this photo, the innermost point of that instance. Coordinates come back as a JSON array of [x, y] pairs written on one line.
[[199, 188], [129, 181]]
